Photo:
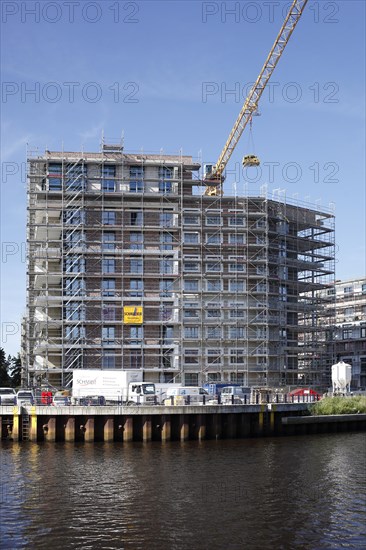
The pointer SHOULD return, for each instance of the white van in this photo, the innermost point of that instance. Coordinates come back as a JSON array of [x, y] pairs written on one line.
[[190, 394]]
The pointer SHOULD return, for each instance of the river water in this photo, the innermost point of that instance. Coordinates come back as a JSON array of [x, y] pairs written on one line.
[[278, 493]]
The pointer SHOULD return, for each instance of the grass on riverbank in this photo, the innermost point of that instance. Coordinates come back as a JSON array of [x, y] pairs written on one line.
[[340, 405]]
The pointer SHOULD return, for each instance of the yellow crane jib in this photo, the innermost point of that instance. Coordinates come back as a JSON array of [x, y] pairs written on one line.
[[215, 177]]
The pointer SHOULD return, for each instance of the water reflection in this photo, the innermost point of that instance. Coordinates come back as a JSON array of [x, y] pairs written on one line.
[[300, 492]]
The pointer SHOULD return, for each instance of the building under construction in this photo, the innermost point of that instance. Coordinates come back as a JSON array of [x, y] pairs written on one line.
[[132, 266]]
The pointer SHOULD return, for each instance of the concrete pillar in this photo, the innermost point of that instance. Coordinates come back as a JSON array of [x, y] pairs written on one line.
[[33, 426], [201, 420], [184, 428], [70, 429], [109, 429], [166, 429], [146, 428], [128, 429], [15, 432], [89, 429], [49, 430]]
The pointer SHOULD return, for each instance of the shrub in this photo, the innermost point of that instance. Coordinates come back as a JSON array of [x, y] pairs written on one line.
[[340, 405]]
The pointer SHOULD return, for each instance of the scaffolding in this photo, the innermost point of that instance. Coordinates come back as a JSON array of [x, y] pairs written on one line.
[[224, 288]]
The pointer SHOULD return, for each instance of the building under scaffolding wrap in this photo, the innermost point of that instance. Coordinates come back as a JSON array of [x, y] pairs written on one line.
[[130, 265]]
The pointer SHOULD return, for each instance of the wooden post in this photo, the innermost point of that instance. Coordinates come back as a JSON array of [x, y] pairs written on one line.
[[128, 429], [109, 429], [201, 419], [15, 432], [70, 429], [146, 428], [184, 428], [49, 429], [89, 429], [33, 425], [166, 431]]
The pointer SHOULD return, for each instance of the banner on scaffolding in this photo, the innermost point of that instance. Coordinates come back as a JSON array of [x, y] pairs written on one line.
[[133, 315]]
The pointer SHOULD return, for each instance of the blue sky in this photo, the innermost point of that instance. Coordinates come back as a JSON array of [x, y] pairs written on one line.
[[161, 73]]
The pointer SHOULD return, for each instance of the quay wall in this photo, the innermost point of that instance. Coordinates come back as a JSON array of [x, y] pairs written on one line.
[[167, 423]]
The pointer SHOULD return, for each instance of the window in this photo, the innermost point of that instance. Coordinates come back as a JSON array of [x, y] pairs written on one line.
[[283, 294], [166, 219], [136, 359], [74, 217], [213, 333], [236, 238], [191, 332], [191, 219], [190, 312], [108, 313], [348, 290], [237, 377], [74, 287], [237, 311], [191, 285], [236, 285], [74, 333], [363, 332], [282, 250], [237, 267], [74, 264], [191, 238], [213, 313], [349, 311], [136, 287], [108, 217], [237, 357], [108, 287], [191, 379], [213, 377], [55, 177], [108, 242], [136, 179], [136, 218], [237, 220], [74, 239], [213, 285], [261, 287], [166, 240], [213, 266], [108, 361], [167, 334], [191, 266], [213, 357], [166, 313], [108, 186], [166, 288], [136, 335], [260, 239], [363, 288], [74, 311], [165, 177], [136, 241], [108, 335], [214, 238], [136, 265], [347, 333], [213, 220], [236, 332], [191, 357], [75, 177], [108, 265], [166, 267]]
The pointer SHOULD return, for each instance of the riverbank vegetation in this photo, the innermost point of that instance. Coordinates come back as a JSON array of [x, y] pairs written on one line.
[[340, 405]]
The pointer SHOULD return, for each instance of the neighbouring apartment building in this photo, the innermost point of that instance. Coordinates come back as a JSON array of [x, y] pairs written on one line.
[[349, 331], [132, 266]]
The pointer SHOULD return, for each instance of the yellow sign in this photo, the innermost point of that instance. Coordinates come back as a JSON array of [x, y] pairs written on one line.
[[133, 315]]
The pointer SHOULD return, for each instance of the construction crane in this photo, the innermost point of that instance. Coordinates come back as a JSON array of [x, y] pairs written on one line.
[[214, 178]]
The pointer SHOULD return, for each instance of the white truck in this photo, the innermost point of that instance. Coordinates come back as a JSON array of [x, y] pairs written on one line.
[[117, 386], [235, 395]]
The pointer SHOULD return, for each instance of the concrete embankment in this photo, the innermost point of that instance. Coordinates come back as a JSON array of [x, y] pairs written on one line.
[[159, 423]]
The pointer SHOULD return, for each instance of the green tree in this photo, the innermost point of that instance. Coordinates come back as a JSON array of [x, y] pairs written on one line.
[[15, 371], [4, 366]]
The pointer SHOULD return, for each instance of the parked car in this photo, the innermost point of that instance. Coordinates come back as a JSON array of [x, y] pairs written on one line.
[[61, 401], [25, 397], [92, 400], [8, 396]]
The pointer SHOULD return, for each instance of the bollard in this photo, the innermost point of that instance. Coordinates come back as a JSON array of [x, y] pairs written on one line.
[[257, 398], [172, 400], [219, 399], [277, 398], [188, 400], [245, 399], [232, 399], [204, 399]]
